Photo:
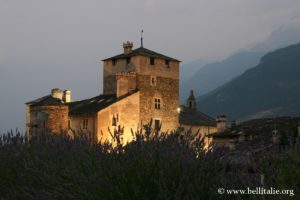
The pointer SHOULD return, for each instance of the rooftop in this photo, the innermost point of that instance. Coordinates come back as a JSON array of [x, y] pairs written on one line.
[[46, 101], [188, 116], [141, 52], [95, 104]]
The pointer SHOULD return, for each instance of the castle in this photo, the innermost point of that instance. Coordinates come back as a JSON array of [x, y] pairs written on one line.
[[139, 85]]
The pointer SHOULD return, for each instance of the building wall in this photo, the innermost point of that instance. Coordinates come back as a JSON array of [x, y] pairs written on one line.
[[77, 126], [203, 130], [166, 88], [53, 119], [110, 71], [127, 110]]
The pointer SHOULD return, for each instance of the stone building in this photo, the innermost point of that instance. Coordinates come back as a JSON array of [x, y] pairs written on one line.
[[139, 85], [191, 119]]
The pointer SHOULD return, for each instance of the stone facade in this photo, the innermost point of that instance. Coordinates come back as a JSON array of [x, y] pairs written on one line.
[[138, 86], [52, 118], [124, 113]]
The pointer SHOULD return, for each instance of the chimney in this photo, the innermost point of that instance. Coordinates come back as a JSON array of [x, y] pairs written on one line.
[[67, 96], [127, 47], [56, 93], [122, 84], [221, 123]]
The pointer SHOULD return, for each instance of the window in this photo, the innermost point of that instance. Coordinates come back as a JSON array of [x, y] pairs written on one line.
[[114, 62], [153, 81], [85, 123], [167, 63], [157, 124], [152, 61], [157, 103], [127, 60]]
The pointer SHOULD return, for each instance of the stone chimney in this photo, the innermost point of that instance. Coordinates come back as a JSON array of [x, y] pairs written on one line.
[[221, 123], [67, 96], [127, 47], [56, 93], [126, 82]]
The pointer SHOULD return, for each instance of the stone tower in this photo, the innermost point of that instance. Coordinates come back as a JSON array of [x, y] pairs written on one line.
[[154, 75]]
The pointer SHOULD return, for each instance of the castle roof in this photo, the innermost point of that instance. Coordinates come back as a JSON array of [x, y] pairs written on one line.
[[191, 117], [95, 104], [141, 52], [46, 101]]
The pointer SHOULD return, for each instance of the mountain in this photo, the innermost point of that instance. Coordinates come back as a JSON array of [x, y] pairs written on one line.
[[270, 89], [278, 39], [213, 75], [210, 76]]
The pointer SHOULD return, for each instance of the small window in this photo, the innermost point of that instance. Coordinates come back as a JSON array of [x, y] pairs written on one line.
[[85, 123], [157, 103], [127, 61], [152, 61], [157, 124], [114, 62], [167, 63], [153, 81]]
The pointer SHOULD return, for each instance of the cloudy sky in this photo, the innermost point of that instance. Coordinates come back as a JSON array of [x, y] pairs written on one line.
[[60, 43]]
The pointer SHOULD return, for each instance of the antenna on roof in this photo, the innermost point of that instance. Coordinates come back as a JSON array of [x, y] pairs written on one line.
[[142, 38]]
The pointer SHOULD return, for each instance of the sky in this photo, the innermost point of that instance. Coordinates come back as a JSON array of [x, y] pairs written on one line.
[[60, 43]]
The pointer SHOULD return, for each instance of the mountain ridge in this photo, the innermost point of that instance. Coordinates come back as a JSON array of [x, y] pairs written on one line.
[[270, 89]]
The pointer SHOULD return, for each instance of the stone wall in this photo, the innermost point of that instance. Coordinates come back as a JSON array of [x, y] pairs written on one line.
[[127, 112], [167, 90], [166, 87], [77, 126], [203, 130], [52, 119]]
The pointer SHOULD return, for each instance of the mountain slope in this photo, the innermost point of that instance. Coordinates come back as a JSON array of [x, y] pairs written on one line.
[[272, 88], [213, 75]]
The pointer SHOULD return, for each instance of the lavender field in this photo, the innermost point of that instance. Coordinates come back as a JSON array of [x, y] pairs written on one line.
[[154, 166]]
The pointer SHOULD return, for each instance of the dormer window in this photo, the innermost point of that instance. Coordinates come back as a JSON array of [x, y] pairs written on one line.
[[152, 61], [114, 62]]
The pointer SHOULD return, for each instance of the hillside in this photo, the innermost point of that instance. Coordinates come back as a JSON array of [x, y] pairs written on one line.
[[272, 88], [208, 77], [204, 78]]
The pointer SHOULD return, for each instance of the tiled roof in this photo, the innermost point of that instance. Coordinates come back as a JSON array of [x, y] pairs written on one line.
[[46, 101], [95, 104], [188, 116], [143, 52]]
